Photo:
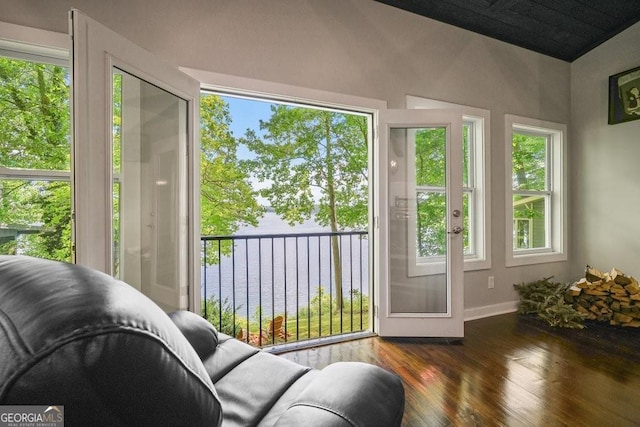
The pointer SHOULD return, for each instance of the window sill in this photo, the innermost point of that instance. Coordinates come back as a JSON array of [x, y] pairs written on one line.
[[536, 258]]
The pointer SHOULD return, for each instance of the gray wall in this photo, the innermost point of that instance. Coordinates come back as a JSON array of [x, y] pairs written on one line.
[[605, 162], [356, 47]]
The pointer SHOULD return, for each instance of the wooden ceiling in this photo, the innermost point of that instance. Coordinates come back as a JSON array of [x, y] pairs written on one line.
[[563, 29]]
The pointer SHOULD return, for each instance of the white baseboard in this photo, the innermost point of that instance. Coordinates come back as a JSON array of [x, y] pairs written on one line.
[[490, 310]]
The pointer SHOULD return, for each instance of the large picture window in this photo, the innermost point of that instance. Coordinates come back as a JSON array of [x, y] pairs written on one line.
[[536, 172]]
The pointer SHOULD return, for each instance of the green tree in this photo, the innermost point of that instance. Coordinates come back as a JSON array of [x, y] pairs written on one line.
[[529, 162], [227, 198], [34, 134], [529, 172], [315, 164]]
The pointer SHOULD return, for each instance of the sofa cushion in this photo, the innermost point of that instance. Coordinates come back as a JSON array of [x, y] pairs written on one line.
[[75, 337], [257, 388], [335, 398]]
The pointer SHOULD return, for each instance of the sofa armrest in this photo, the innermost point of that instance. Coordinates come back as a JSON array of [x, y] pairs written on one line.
[[201, 334], [348, 394]]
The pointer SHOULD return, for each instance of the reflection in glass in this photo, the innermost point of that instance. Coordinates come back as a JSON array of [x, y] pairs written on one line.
[[418, 219], [149, 189]]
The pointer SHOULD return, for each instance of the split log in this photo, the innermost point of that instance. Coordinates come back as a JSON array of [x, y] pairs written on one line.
[[619, 277], [593, 274], [622, 318], [632, 288]]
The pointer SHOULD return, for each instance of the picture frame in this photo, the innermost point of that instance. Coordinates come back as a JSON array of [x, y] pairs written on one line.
[[624, 96]]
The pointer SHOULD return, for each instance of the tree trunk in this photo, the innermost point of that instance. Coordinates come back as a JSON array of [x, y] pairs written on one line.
[[335, 244]]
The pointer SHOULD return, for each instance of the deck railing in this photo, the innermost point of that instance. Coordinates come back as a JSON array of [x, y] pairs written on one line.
[[272, 289]]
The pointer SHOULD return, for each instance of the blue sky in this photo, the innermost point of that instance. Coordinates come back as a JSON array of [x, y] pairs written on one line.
[[246, 113]]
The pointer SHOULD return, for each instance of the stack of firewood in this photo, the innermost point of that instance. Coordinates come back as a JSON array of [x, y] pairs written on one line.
[[611, 296]]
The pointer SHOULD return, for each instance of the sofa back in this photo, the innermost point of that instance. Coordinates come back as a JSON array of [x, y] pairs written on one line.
[[74, 337]]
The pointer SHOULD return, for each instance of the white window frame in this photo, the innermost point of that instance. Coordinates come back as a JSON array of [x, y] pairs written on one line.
[[32, 44], [480, 209], [556, 215]]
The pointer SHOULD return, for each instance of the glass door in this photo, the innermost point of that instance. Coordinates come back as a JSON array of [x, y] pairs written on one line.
[[135, 123], [149, 187], [421, 222]]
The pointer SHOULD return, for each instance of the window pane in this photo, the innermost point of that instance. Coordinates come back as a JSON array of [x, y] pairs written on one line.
[[522, 229], [431, 224], [467, 173], [34, 123], [529, 222], [431, 157], [466, 215], [35, 219], [149, 130], [529, 157]]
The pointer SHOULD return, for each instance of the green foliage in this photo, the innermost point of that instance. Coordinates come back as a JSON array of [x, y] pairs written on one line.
[[547, 300], [316, 164], [34, 134], [222, 315], [34, 100], [431, 157], [529, 162], [322, 318], [319, 319], [55, 239], [227, 198], [323, 303]]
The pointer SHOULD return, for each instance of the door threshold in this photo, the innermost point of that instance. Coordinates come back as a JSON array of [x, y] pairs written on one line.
[[317, 342]]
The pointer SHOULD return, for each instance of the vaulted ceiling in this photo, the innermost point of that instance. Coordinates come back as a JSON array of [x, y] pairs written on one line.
[[563, 29]]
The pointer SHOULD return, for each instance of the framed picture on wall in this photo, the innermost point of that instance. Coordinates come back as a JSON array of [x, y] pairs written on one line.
[[624, 96]]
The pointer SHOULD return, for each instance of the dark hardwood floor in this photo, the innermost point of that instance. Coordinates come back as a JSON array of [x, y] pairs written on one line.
[[510, 370]]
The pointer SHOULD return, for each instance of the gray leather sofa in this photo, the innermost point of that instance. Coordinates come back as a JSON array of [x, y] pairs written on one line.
[[73, 337]]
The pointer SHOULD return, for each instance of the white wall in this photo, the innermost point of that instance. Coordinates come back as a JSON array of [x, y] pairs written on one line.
[[356, 47], [605, 163]]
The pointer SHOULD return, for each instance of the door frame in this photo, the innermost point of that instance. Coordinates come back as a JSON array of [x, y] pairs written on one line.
[[243, 86]]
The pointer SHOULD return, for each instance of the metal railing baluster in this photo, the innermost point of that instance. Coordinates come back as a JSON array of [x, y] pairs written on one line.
[[227, 265]]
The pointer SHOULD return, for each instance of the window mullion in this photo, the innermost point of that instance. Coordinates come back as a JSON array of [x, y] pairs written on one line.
[[34, 174]]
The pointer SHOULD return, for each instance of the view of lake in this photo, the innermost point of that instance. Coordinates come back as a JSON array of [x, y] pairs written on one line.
[[293, 266]]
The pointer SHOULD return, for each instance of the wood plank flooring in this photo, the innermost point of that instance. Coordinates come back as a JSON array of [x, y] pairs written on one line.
[[510, 370]]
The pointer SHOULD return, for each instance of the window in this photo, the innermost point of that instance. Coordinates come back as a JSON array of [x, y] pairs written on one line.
[[35, 152], [475, 193], [536, 179]]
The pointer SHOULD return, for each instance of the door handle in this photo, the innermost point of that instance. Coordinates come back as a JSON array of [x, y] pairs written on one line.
[[456, 230]]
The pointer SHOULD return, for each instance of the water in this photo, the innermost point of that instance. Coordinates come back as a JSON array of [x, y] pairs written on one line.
[[294, 267]]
